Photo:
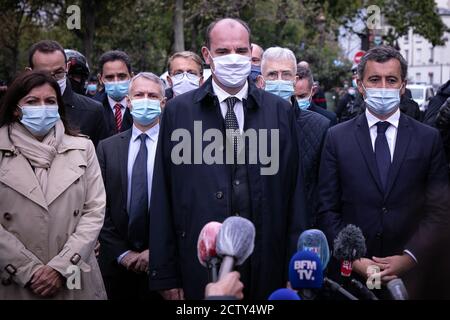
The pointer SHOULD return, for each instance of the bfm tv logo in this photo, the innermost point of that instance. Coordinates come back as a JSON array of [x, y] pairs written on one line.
[[305, 269]]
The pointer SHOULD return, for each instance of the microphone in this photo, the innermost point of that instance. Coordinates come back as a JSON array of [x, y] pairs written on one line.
[[363, 290], [315, 240], [306, 275], [349, 245], [284, 294], [334, 286], [235, 243], [397, 289], [206, 249]]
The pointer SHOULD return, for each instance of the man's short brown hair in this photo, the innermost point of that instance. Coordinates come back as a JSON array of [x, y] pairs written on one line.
[[185, 55]]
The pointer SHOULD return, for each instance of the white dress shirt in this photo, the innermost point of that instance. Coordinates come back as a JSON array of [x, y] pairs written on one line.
[[113, 102], [133, 149], [238, 107], [391, 132], [391, 137]]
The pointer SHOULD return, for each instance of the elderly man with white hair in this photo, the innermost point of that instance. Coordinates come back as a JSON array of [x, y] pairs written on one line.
[[126, 161], [279, 69]]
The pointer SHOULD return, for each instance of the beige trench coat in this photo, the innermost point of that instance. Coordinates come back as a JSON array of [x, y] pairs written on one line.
[[59, 228]]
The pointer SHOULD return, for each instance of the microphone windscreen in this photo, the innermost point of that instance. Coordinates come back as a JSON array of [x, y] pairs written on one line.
[[315, 240], [236, 239], [305, 271], [349, 244], [284, 294], [206, 244]]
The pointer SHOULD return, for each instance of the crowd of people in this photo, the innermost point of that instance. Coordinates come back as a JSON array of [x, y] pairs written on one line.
[[106, 174]]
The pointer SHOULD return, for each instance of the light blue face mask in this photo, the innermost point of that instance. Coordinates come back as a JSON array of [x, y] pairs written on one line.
[[91, 87], [145, 111], [303, 103], [382, 101], [281, 88], [39, 119], [117, 90]]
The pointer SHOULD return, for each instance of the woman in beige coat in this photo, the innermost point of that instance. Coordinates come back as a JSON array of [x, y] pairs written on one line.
[[52, 198]]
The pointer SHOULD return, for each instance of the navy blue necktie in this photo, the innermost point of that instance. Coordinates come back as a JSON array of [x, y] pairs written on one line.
[[138, 215], [382, 152]]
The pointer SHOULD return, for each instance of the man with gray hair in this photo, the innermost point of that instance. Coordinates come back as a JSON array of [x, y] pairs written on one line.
[[279, 68], [126, 161]]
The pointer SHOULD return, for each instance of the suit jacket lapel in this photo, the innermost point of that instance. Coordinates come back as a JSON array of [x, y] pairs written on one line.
[[401, 146], [365, 143]]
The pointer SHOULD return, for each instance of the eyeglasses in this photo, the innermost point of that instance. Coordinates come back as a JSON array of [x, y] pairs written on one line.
[[58, 75], [190, 76]]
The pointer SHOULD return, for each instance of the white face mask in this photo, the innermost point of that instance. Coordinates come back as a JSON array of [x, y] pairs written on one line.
[[184, 82], [232, 70], [62, 84]]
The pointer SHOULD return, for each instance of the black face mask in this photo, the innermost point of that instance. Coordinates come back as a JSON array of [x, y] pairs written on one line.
[[78, 87]]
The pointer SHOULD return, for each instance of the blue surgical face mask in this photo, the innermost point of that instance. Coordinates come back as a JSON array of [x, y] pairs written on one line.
[[304, 103], [281, 88], [382, 101], [255, 71], [145, 111], [39, 119], [91, 87], [117, 90]]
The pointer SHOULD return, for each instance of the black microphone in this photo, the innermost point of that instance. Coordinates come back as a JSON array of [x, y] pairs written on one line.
[[397, 289], [334, 286], [349, 245], [363, 290], [235, 242]]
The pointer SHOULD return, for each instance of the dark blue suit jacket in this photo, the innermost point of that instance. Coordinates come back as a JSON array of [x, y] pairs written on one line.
[[185, 197], [112, 156], [413, 212]]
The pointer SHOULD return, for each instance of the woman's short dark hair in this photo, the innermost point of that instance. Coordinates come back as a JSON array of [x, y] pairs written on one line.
[[382, 54], [20, 87]]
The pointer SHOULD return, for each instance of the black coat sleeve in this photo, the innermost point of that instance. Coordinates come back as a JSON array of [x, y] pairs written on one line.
[[164, 267], [435, 223], [329, 213]]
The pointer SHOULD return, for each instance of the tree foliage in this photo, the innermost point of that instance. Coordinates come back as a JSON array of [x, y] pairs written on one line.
[[145, 29]]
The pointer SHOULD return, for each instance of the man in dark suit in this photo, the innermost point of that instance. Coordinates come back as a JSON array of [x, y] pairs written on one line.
[[190, 191], [278, 76], [304, 91], [115, 75], [124, 237], [83, 113], [385, 173]]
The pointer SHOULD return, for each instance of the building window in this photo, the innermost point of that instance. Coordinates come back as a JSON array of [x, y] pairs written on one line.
[[432, 55], [418, 77], [431, 76], [407, 56], [419, 56]]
